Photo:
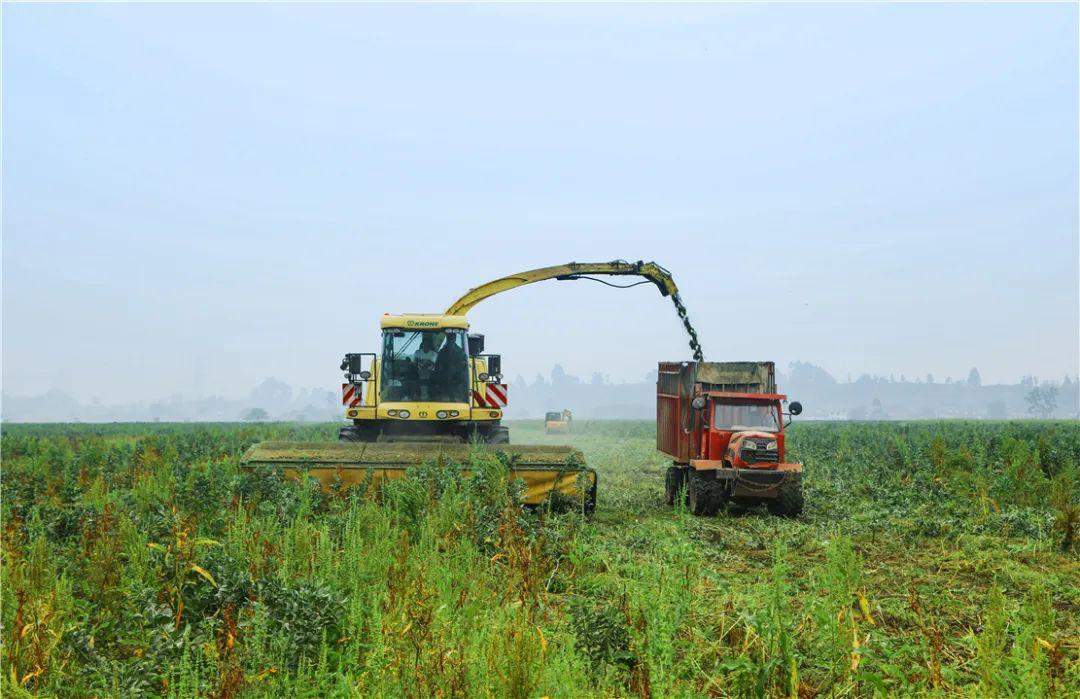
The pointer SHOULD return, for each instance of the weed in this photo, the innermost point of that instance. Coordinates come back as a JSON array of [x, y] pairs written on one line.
[[935, 559]]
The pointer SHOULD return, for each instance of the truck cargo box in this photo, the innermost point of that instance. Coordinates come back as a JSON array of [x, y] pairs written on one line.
[[678, 382]]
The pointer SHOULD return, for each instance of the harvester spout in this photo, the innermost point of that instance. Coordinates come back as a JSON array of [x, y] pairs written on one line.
[[650, 271]]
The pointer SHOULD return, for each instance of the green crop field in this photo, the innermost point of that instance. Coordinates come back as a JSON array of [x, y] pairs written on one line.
[[934, 559]]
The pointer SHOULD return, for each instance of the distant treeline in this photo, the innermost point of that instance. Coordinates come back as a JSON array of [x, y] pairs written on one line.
[[271, 399], [822, 395]]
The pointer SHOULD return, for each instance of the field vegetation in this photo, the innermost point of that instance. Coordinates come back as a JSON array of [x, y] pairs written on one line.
[[934, 559]]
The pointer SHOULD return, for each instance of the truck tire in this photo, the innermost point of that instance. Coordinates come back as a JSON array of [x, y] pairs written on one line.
[[789, 499], [704, 495], [498, 434], [673, 483]]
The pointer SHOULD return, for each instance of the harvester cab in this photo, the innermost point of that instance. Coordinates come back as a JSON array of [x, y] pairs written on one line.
[[431, 381], [723, 425]]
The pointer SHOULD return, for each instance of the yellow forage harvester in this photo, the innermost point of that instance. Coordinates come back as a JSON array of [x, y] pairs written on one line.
[[432, 395], [558, 423]]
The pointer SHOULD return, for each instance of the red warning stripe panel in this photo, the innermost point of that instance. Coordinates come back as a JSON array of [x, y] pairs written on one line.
[[351, 395], [478, 400], [496, 394]]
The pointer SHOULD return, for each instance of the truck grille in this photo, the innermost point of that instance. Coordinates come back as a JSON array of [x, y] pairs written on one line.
[[761, 455]]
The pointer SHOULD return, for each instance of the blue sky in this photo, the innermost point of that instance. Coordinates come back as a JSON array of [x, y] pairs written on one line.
[[197, 197]]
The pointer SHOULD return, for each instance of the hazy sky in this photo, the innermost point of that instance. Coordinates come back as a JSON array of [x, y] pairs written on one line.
[[196, 198]]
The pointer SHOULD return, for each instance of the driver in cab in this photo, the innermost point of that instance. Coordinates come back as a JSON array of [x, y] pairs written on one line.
[[424, 358]]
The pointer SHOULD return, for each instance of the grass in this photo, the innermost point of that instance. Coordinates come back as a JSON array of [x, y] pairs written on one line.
[[934, 559]]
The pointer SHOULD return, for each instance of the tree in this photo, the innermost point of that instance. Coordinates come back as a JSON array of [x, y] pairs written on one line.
[[805, 373], [274, 394], [974, 380], [256, 414], [1042, 402], [929, 378]]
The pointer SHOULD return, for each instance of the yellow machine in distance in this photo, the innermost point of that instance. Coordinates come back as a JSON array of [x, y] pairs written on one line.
[[431, 390], [558, 423]]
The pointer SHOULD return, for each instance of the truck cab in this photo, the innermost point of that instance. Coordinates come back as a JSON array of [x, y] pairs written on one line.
[[723, 425], [747, 429]]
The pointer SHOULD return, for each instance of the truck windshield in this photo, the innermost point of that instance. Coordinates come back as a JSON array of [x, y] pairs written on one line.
[[424, 365], [745, 416]]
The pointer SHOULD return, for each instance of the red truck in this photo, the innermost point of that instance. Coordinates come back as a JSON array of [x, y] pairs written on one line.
[[722, 423]]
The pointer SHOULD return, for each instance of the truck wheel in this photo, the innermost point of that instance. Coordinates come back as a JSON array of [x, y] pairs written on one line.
[[498, 435], [673, 483], [704, 495], [789, 499]]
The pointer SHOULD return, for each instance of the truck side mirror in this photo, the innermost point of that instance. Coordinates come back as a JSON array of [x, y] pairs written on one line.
[[494, 366], [698, 403], [795, 408]]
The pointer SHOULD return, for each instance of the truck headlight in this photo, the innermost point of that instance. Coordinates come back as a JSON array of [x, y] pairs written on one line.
[[749, 444], [454, 413], [441, 414], [771, 445], [403, 414]]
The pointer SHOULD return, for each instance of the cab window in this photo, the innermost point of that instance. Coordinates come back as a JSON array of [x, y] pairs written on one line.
[[424, 365], [745, 416]]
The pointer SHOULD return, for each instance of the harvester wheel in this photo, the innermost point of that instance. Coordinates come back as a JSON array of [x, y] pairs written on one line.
[[789, 498], [673, 483], [352, 433], [704, 495], [498, 435]]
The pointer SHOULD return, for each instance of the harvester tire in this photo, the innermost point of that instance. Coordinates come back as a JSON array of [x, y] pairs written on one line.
[[789, 498], [352, 433], [673, 483], [704, 495], [498, 435]]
